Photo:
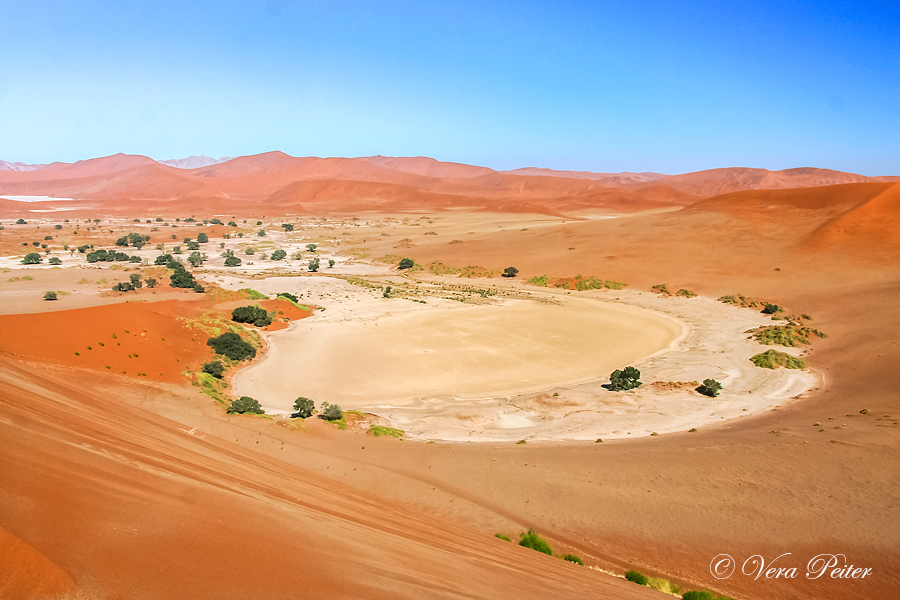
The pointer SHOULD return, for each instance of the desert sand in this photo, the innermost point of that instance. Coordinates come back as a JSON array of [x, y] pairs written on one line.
[[120, 485]]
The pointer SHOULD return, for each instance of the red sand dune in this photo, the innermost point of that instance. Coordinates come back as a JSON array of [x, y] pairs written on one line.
[[276, 180]]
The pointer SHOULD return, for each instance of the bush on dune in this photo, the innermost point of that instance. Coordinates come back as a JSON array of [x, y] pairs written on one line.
[[231, 345], [530, 539], [772, 359], [245, 405], [251, 314]]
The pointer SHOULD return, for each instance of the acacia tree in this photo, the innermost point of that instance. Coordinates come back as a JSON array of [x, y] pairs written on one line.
[[626, 379], [32, 258], [304, 407], [710, 388], [510, 272]]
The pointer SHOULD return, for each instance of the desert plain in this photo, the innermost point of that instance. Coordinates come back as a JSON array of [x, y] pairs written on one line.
[[122, 475]]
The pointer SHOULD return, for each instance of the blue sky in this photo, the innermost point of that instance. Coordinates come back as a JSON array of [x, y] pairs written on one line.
[[632, 86]]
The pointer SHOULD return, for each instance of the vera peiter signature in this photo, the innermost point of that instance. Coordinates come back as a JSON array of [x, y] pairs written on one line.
[[832, 566]]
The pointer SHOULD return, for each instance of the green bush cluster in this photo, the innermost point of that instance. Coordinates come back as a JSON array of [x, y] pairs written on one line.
[[332, 412], [245, 405], [626, 379], [572, 559], [771, 359], [381, 430], [789, 335], [635, 577], [304, 407], [214, 368], [32, 258], [289, 296], [181, 278], [530, 539], [231, 345], [102, 255], [710, 388], [251, 314], [133, 239]]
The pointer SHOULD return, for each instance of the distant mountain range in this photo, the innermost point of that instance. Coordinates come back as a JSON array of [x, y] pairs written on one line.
[[311, 184]]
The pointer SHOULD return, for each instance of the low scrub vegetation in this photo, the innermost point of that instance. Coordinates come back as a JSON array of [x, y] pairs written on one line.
[[573, 559], [214, 368], [530, 539], [663, 585], [381, 430], [635, 577], [790, 335], [704, 595], [502, 537], [772, 359]]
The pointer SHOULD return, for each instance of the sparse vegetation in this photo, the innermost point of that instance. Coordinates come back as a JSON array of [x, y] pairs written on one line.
[[502, 537], [530, 539], [626, 379], [772, 359], [789, 335], [573, 559], [663, 585], [381, 430]]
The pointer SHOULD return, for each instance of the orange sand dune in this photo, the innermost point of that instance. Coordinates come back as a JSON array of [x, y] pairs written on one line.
[[873, 225], [135, 338], [810, 198], [428, 167], [128, 504]]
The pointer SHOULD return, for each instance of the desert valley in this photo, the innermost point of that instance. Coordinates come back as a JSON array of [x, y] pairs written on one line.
[[464, 336]]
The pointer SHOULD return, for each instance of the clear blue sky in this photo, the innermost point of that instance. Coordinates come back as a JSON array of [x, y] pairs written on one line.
[[626, 86]]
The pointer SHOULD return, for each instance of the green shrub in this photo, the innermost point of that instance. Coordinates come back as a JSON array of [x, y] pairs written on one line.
[[251, 314], [573, 559], [789, 335], [662, 288], [304, 407], [685, 293], [771, 359], [231, 345], [214, 368], [541, 280], [635, 577], [314, 265], [278, 254], [49, 295], [704, 595], [710, 388], [332, 412], [202, 238], [626, 379], [57, 261], [380, 430], [663, 585], [770, 309], [289, 296], [253, 294], [502, 537], [510, 272], [406, 263], [530, 539], [245, 405], [32, 258], [232, 261]]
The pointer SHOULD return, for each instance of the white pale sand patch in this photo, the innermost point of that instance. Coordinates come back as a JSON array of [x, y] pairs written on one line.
[[519, 368], [37, 199]]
